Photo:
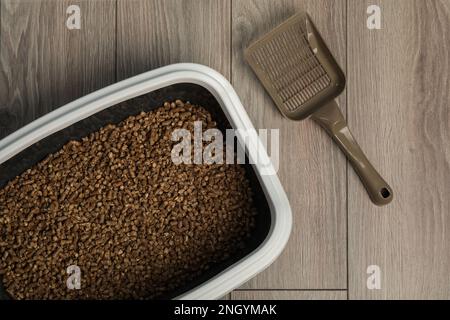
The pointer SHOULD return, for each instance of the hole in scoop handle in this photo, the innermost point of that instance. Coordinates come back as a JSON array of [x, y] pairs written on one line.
[[331, 119]]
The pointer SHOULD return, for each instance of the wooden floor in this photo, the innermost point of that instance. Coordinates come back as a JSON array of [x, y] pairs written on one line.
[[397, 103]]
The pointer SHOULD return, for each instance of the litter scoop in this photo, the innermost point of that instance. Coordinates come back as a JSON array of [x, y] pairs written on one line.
[[302, 77]]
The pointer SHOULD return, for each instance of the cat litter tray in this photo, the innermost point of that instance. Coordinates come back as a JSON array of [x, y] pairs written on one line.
[[190, 82]]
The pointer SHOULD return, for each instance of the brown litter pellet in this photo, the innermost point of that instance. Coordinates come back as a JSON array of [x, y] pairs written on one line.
[[115, 205]]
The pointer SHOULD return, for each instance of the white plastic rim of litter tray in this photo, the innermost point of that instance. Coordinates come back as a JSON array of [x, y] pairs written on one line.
[[281, 216]]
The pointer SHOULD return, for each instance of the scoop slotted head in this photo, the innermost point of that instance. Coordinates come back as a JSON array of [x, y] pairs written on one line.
[[302, 77]]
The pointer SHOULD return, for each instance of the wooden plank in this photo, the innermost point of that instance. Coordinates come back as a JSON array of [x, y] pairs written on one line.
[[43, 65], [288, 295], [398, 106], [312, 169], [155, 33]]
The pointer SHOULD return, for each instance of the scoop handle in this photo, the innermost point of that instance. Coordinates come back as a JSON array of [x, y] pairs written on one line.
[[331, 119]]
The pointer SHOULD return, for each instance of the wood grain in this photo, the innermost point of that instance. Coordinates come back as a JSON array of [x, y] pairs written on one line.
[[43, 65], [288, 295], [155, 33], [398, 106], [398, 109], [312, 169]]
